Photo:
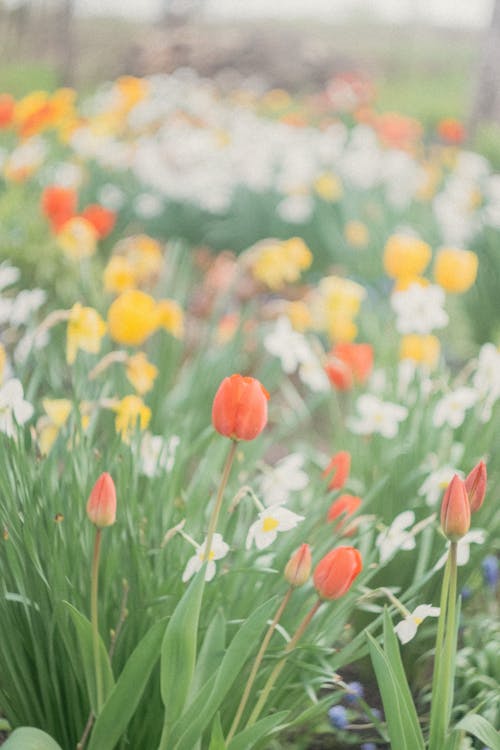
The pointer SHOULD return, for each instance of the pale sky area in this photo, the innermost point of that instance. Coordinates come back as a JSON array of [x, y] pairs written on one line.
[[474, 13]]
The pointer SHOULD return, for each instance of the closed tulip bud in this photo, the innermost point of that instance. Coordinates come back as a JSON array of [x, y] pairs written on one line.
[[298, 568], [455, 510], [239, 409], [475, 484], [101, 505], [335, 573], [339, 467]]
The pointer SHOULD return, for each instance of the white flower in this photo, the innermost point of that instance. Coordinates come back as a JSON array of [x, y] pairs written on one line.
[[289, 345], [25, 304], [219, 549], [157, 454], [437, 482], [486, 380], [407, 628], [378, 416], [8, 275], [295, 209], [30, 342], [271, 520], [13, 408], [396, 537], [111, 196], [452, 407], [419, 309], [287, 476], [313, 375], [5, 309], [148, 205], [476, 536]]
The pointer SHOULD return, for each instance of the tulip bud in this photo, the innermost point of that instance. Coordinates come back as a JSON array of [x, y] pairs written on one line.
[[298, 568], [340, 465], [475, 484], [335, 573], [101, 505], [345, 505], [455, 510], [239, 409]]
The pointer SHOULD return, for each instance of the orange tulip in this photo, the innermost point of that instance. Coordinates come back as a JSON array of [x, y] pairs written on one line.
[[101, 505], [7, 107], [102, 219], [451, 131], [455, 510], [475, 484], [58, 205], [345, 505], [349, 363], [335, 573], [298, 568], [340, 465], [239, 409]]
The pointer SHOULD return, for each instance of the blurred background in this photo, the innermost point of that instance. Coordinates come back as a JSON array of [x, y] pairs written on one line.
[[431, 59]]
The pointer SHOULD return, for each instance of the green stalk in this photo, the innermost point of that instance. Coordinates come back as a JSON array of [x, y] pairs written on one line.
[[279, 666], [220, 496], [94, 617], [256, 665], [450, 644]]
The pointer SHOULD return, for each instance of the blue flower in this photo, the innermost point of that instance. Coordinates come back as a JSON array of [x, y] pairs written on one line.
[[490, 571], [368, 746], [355, 691], [338, 717]]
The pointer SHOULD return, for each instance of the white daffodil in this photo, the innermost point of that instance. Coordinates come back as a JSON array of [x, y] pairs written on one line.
[[313, 375], [475, 536], [396, 536], [271, 520], [451, 408], [13, 408], [157, 454], [25, 304], [419, 309], [407, 628], [290, 346], [486, 380], [295, 209], [378, 416], [219, 549], [8, 275], [287, 476], [435, 484]]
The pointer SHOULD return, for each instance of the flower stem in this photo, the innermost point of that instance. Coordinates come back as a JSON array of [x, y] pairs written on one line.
[[436, 737], [220, 496], [94, 617], [450, 642], [279, 666], [256, 664]]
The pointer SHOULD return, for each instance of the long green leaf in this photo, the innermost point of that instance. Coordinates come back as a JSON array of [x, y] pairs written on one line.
[[126, 694], [28, 738], [481, 729], [249, 737], [217, 741], [390, 697], [211, 653], [83, 628]]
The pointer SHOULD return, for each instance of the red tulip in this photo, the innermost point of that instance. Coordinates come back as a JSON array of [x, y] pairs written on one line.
[[239, 409], [58, 205], [298, 568], [335, 573], [345, 505], [340, 465], [475, 484], [102, 219], [455, 510], [348, 364], [101, 505], [7, 108]]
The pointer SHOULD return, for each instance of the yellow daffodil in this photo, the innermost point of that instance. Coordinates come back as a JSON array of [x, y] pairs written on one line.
[[77, 238], [421, 349], [328, 187], [57, 411], [85, 331], [405, 256], [144, 254], [119, 275], [299, 315], [170, 317], [3, 361], [276, 263], [131, 412], [335, 305], [132, 317], [403, 282], [356, 234], [455, 270], [141, 373]]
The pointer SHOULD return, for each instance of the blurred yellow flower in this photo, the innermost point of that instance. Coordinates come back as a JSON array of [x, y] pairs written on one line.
[[335, 305], [77, 238], [119, 275], [328, 187], [276, 263], [132, 317], [406, 256], [131, 90], [141, 372], [144, 255], [356, 234], [131, 412], [85, 331], [421, 349], [3, 361], [342, 328], [170, 317], [300, 315], [455, 270], [57, 411]]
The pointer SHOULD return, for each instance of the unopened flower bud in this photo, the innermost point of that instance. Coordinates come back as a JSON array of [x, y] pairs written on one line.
[[455, 510], [101, 505], [475, 484], [336, 571], [298, 568]]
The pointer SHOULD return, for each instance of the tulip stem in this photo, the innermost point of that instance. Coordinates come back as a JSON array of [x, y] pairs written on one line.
[[281, 663], [94, 617], [257, 663], [220, 496], [450, 642]]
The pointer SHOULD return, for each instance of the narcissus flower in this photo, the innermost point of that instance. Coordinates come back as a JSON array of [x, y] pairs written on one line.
[[48, 428], [475, 484], [13, 408], [344, 507], [77, 238], [276, 263], [85, 331], [132, 317], [455, 510], [336, 571], [328, 187], [170, 317], [405, 256], [407, 628], [455, 270], [131, 412], [219, 549], [141, 373], [356, 234], [271, 520], [119, 275], [339, 468], [239, 409], [101, 505], [423, 350], [102, 219], [298, 568]]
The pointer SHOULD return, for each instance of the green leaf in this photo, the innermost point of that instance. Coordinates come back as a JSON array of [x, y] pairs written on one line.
[[83, 629], [239, 650], [481, 729], [28, 738], [249, 737], [211, 653], [217, 741], [178, 651], [126, 694]]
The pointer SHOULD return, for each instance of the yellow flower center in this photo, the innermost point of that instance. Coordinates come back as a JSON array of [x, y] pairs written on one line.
[[269, 524]]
